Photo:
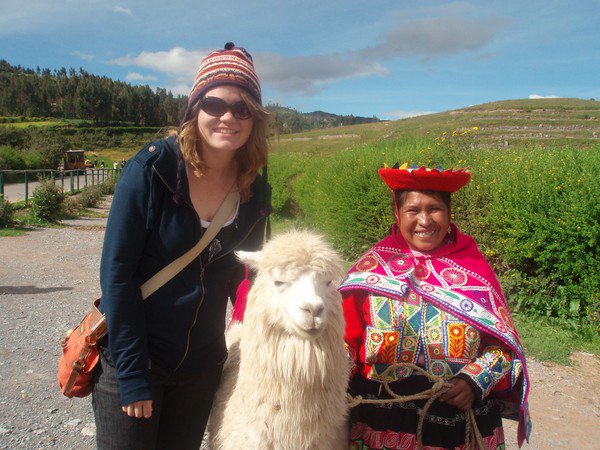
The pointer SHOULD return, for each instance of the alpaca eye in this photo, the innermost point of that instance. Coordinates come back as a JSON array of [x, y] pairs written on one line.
[[279, 283]]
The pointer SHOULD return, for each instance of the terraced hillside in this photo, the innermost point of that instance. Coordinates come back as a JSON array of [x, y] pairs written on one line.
[[501, 124]]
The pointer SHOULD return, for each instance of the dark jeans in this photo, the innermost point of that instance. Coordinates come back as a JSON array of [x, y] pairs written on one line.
[[181, 405]]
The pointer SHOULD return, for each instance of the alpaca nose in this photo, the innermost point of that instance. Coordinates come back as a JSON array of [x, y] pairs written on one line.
[[314, 309]]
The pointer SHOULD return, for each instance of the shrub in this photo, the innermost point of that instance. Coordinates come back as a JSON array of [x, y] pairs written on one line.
[[71, 208], [343, 195], [14, 137], [6, 213], [90, 196], [108, 186], [48, 201], [534, 212], [11, 159]]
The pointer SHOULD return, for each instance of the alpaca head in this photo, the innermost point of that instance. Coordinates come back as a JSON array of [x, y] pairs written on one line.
[[295, 286]]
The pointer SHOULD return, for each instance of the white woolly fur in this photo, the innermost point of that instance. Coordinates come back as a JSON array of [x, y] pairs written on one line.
[[283, 387]]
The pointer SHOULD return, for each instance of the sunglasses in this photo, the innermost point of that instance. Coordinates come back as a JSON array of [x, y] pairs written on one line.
[[217, 107]]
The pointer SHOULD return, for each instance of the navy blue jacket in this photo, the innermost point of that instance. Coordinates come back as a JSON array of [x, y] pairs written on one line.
[[152, 222]]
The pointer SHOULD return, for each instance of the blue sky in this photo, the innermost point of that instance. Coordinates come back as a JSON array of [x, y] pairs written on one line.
[[390, 59]]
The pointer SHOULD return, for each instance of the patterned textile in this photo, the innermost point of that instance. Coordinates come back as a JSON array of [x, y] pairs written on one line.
[[394, 426], [232, 65], [392, 440], [456, 279], [415, 331]]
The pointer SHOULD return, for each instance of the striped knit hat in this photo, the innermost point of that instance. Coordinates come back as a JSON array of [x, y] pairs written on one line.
[[233, 66]]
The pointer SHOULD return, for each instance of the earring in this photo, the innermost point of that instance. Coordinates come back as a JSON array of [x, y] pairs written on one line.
[[449, 230]]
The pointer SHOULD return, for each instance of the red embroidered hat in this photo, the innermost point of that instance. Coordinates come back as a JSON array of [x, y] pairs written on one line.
[[423, 178]]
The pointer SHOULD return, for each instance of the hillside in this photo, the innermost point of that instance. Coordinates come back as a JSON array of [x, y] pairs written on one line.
[[287, 120], [499, 124]]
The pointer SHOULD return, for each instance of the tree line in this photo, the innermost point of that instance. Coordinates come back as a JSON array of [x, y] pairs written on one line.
[[72, 94]]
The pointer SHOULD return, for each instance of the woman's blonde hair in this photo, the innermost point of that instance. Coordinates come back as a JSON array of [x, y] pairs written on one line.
[[250, 158]]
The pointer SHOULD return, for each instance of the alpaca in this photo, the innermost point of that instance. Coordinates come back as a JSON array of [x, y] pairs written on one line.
[[284, 384]]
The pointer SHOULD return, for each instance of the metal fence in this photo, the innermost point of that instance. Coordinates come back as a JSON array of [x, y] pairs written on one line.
[[70, 181]]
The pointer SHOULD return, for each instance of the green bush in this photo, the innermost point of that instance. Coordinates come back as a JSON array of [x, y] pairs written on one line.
[[90, 196], [343, 195], [48, 201], [6, 213], [11, 159], [14, 137], [108, 186], [535, 212], [71, 208]]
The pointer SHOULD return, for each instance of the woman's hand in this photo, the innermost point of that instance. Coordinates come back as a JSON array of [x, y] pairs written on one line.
[[139, 409], [460, 395]]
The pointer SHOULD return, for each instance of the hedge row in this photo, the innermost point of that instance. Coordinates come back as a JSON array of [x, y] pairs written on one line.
[[535, 212]]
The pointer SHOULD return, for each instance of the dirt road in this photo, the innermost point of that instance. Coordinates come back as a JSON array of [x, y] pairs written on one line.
[[49, 276]]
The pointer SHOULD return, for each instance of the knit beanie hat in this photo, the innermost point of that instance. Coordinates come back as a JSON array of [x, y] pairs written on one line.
[[230, 66]]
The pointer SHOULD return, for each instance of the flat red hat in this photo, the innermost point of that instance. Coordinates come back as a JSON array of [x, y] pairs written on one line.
[[424, 179]]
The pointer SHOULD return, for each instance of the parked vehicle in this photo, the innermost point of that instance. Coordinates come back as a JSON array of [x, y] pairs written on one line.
[[74, 159]]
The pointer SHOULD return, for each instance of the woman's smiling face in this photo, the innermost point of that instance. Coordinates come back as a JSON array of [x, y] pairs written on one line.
[[225, 133], [423, 220]]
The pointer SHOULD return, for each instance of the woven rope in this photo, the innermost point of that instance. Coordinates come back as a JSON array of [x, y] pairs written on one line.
[[473, 438]]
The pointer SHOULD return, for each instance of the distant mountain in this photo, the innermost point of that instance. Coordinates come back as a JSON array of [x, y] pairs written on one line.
[[287, 120]]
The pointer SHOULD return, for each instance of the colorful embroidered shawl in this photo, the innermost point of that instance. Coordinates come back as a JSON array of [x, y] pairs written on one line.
[[456, 278]]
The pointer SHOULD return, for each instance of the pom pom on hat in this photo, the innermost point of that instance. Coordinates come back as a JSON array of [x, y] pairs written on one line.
[[402, 178]]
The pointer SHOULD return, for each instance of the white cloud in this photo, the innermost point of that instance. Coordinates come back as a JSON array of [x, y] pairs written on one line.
[[438, 36], [180, 66], [135, 76], [121, 10], [304, 74], [307, 74], [536, 96], [83, 55], [440, 32], [404, 114]]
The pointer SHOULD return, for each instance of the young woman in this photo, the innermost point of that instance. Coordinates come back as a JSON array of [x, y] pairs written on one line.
[[162, 358], [425, 295]]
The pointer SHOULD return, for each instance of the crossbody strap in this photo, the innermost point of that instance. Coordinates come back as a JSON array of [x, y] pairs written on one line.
[[159, 279]]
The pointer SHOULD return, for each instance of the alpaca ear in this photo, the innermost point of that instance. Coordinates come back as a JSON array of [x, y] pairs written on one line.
[[252, 259]]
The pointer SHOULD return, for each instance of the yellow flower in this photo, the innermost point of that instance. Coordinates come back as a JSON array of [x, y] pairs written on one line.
[[475, 128]]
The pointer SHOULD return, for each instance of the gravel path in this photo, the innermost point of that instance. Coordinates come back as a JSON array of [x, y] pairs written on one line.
[[48, 278]]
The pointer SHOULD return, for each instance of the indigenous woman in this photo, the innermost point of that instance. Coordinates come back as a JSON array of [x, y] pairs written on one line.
[[162, 359], [426, 296]]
